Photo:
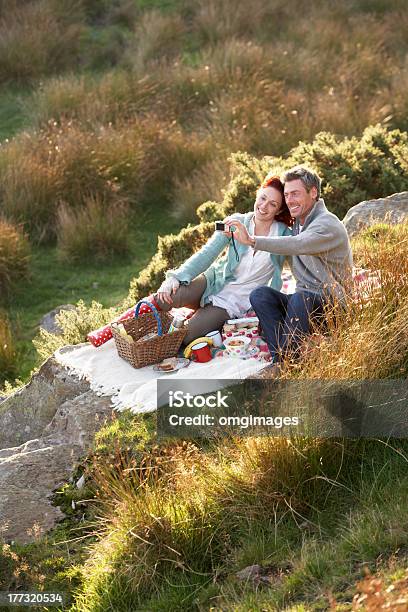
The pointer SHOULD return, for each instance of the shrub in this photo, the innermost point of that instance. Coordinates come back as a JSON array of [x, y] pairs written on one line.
[[76, 324], [14, 257], [98, 232], [356, 169]]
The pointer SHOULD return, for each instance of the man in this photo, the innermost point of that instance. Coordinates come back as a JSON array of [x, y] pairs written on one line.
[[321, 264]]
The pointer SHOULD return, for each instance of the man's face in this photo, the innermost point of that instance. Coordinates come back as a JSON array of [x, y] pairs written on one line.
[[300, 201]]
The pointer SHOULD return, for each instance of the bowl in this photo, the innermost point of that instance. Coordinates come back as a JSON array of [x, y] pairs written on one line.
[[237, 346]]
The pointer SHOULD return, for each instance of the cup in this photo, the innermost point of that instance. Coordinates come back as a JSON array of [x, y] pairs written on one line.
[[237, 346], [215, 337], [201, 352]]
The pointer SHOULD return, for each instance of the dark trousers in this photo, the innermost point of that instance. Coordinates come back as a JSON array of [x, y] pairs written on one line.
[[286, 319]]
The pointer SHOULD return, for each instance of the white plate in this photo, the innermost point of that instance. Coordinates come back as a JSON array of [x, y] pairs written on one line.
[[181, 363]]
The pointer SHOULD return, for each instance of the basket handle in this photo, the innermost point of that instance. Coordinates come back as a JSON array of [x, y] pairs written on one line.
[[154, 311]]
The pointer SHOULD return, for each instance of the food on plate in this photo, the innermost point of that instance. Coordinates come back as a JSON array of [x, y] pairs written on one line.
[[167, 364]]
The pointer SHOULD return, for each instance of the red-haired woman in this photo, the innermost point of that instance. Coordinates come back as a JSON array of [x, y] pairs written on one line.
[[218, 289]]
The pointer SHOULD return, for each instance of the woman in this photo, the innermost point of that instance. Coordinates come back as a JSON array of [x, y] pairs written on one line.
[[219, 290]]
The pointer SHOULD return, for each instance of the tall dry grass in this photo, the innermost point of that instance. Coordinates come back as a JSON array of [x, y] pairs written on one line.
[[8, 355], [38, 38], [117, 96], [368, 339], [232, 75], [137, 161], [205, 183], [98, 231], [157, 37], [14, 257]]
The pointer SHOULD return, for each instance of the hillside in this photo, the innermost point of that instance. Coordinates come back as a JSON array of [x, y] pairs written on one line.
[[126, 128]]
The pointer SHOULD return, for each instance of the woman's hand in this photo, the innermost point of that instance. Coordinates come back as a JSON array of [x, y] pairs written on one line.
[[240, 232], [167, 289]]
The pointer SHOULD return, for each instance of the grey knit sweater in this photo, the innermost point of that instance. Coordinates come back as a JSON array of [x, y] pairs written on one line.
[[321, 253]]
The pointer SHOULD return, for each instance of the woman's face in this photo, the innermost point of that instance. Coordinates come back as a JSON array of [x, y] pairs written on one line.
[[267, 204]]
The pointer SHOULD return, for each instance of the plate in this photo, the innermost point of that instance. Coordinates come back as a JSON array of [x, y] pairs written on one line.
[[181, 363]]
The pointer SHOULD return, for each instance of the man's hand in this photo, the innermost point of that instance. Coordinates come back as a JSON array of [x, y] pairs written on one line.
[[240, 232], [167, 289]]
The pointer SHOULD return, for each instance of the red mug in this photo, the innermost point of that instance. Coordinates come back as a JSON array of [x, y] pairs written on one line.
[[201, 352]]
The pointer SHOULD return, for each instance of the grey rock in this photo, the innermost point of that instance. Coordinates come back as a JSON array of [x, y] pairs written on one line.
[[61, 416], [24, 414], [49, 323], [392, 209]]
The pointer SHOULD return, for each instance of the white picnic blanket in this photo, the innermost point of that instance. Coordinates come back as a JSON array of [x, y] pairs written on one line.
[[128, 387]]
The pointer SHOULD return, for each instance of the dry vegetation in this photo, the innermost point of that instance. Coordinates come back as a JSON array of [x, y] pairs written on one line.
[[14, 257], [132, 108], [189, 86]]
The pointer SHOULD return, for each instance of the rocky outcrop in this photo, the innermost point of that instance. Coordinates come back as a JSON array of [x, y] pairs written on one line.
[[393, 209], [25, 414], [49, 321], [46, 427]]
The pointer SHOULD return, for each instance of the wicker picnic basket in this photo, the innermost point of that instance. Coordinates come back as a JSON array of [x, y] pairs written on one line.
[[141, 353]]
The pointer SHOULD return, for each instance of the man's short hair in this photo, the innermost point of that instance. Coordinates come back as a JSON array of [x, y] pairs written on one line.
[[306, 175]]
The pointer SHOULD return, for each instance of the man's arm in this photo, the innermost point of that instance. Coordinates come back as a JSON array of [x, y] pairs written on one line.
[[308, 242]]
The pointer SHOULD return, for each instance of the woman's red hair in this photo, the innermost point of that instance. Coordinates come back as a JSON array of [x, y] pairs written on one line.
[[284, 214]]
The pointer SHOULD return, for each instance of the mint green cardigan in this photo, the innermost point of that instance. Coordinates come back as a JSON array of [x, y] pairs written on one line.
[[219, 273]]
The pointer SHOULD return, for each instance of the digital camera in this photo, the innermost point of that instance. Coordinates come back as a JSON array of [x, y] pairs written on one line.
[[220, 227]]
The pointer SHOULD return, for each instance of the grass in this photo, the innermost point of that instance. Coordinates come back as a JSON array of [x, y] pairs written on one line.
[[53, 283], [202, 531], [176, 521], [12, 117]]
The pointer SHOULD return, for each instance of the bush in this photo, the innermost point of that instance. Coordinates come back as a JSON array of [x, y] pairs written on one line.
[[14, 257], [76, 324], [98, 232], [356, 169]]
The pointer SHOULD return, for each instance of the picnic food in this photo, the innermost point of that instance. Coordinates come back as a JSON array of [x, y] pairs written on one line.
[[167, 364], [237, 346], [236, 343]]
